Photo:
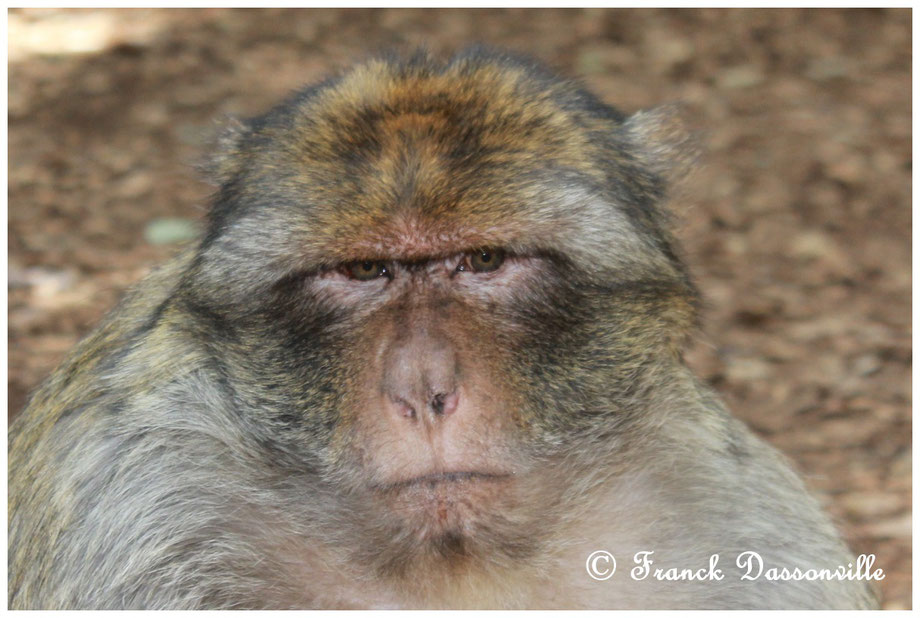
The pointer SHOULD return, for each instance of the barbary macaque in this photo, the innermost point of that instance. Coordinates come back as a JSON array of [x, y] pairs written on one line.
[[427, 354]]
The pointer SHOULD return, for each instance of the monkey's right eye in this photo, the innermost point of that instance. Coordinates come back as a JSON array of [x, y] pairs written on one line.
[[367, 270]]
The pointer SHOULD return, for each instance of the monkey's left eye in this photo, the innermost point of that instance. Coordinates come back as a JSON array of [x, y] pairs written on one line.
[[366, 271], [486, 260]]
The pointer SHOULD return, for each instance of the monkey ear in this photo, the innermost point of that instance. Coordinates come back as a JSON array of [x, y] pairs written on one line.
[[662, 140], [224, 160]]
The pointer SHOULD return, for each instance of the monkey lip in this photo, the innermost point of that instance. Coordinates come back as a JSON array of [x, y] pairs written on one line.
[[442, 478], [429, 506]]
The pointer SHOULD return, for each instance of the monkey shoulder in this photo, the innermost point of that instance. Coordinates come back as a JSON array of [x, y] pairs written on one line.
[[716, 488]]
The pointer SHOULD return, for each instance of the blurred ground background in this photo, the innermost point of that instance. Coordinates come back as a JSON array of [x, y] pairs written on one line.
[[797, 224]]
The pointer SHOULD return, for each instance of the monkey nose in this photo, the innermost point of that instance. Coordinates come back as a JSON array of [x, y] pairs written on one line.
[[420, 377]]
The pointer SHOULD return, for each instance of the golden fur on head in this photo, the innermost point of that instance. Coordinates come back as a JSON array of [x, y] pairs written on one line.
[[410, 159]]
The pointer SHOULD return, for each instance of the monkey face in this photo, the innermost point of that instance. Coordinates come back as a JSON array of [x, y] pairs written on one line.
[[439, 437], [436, 279]]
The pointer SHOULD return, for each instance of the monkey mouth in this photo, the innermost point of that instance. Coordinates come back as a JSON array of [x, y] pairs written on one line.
[[435, 504], [442, 479]]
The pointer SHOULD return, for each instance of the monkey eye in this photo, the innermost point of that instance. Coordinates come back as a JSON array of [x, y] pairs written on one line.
[[366, 270], [483, 260]]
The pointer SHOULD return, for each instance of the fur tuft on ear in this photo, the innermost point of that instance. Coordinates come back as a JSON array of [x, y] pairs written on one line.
[[663, 141], [221, 165]]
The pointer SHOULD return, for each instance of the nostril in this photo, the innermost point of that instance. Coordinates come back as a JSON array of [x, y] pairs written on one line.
[[444, 403], [403, 407]]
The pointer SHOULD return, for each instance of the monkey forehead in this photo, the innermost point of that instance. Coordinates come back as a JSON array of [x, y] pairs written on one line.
[[476, 110], [470, 140], [418, 159], [405, 236]]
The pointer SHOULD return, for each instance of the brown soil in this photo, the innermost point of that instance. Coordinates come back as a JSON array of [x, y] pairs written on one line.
[[797, 224]]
